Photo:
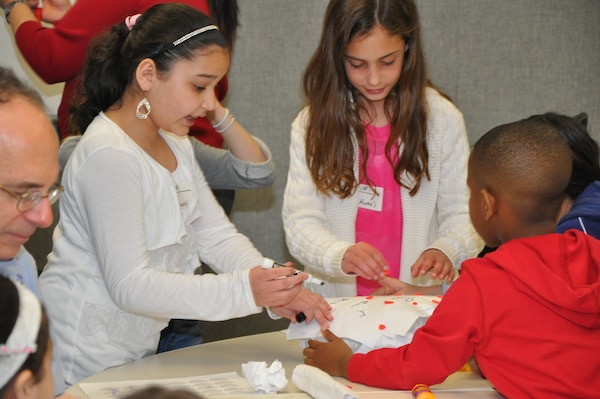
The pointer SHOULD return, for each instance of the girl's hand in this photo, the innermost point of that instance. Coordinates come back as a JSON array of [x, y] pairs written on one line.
[[332, 356], [217, 114], [311, 304], [365, 261], [435, 261], [237, 139], [276, 286]]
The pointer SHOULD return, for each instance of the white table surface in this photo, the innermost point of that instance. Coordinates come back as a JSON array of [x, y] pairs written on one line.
[[228, 355]]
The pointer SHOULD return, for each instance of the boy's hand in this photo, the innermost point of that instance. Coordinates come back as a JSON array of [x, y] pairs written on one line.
[[434, 260], [332, 356]]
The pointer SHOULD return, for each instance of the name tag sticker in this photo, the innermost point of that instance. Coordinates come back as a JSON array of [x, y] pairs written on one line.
[[367, 199], [184, 194]]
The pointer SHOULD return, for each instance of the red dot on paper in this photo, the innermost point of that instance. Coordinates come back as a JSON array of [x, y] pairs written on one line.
[[369, 297], [415, 303], [434, 301], [388, 302], [382, 327]]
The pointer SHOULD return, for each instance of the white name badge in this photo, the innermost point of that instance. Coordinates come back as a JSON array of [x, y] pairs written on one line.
[[184, 194], [367, 199]]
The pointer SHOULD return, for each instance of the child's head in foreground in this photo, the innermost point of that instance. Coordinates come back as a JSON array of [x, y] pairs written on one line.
[[156, 392], [518, 175], [25, 347]]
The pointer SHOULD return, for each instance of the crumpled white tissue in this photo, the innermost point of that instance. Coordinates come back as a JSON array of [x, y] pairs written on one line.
[[319, 384], [263, 379]]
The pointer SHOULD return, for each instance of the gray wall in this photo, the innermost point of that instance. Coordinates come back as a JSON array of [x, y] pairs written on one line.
[[500, 60]]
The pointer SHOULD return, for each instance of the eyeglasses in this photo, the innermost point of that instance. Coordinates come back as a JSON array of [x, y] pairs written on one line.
[[30, 199]]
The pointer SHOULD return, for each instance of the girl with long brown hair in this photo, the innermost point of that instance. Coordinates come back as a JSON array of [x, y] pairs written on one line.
[[376, 186]]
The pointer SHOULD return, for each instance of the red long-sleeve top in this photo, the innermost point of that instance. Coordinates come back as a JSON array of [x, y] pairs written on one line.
[[530, 314], [57, 54]]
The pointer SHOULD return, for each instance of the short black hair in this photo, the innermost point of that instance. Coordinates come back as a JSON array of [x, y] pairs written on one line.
[[526, 162]]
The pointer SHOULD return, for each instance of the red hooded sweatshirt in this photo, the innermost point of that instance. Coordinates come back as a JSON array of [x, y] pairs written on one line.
[[530, 314]]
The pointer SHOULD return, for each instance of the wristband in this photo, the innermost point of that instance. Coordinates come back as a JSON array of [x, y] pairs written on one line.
[[217, 124], [223, 129], [10, 6]]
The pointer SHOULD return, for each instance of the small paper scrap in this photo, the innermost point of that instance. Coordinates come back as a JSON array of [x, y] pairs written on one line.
[[263, 379]]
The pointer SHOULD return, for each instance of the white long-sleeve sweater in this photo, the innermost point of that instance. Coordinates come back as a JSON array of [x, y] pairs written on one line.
[[319, 229], [129, 237]]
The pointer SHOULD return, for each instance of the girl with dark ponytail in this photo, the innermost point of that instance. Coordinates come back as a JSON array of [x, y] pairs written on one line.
[[138, 215], [113, 57]]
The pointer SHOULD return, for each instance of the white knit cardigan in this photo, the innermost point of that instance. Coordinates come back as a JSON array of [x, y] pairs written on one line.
[[319, 228]]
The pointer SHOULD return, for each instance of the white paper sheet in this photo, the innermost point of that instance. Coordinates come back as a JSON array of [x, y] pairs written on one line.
[[371, 322]]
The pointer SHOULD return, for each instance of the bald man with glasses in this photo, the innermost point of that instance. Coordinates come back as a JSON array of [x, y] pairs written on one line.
[[28, 184], [28, 175]]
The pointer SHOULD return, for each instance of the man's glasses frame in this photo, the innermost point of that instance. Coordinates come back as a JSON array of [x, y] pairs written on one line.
[[30, 199]]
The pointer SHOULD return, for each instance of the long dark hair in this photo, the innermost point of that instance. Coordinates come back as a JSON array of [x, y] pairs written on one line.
[[226, 15], [584, 149], [113, 57], [329, 146]]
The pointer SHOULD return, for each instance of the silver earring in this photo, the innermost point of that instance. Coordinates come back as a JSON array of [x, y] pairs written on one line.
[[143, 104], [350, 96]]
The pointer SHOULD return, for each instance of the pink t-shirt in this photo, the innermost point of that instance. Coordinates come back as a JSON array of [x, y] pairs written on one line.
[[379, 218]]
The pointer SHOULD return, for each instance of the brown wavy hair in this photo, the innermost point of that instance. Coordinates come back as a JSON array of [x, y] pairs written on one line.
[[334, 117]]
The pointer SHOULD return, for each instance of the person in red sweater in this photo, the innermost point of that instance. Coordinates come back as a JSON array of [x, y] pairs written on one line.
[[528, 312]]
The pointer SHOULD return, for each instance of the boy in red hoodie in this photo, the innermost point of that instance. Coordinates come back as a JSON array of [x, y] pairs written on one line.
[[530, 311]]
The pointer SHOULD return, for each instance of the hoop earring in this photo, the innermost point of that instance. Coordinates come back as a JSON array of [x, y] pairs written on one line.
[[143, 104]]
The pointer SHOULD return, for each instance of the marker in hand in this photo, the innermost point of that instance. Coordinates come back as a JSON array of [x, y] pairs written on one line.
[[270, 263]]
